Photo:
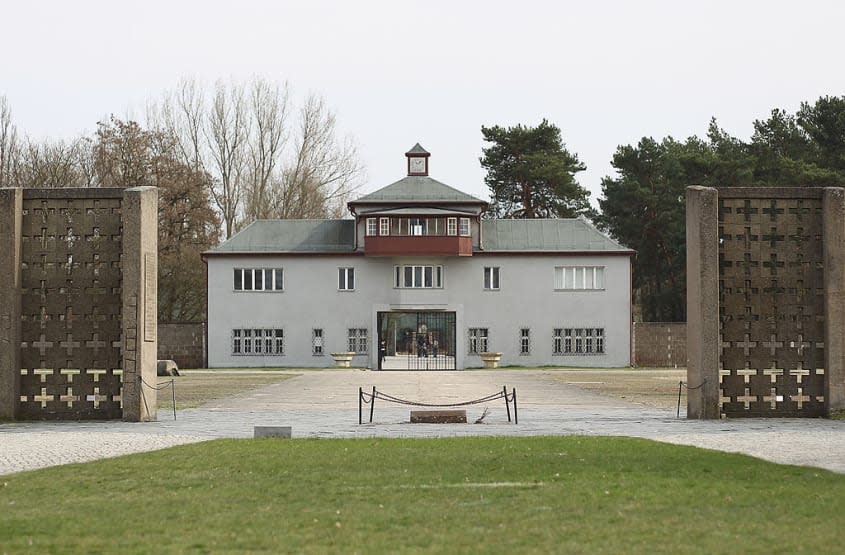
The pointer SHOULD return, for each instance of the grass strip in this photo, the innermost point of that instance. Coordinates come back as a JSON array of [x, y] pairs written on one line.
[[458, 495]]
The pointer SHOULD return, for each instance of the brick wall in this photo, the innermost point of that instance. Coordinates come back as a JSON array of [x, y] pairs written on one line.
[[182, 342], [660, 344]]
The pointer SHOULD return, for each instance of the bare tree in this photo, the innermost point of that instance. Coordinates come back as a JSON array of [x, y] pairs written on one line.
[[181, 115], [268, 104], [9, 153], [54, 164], [227, 135], [323, 172], [260, 167]]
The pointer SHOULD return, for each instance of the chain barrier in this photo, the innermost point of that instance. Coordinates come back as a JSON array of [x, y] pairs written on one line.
[[365, 398], [158, 387], [681, 385]]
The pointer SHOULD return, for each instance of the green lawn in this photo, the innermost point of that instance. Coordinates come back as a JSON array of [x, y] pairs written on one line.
[[475, 495]]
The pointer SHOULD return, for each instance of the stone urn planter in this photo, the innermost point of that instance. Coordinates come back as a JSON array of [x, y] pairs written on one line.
[[490, 360], [342, 360]]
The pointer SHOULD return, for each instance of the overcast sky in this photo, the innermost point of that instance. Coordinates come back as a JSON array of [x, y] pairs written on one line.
[[607, 73]]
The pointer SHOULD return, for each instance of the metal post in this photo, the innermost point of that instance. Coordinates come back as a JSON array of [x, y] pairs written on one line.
[[515, 416], [360, 398], [680, 387], [372, 404], [173, 395], [507, 404]]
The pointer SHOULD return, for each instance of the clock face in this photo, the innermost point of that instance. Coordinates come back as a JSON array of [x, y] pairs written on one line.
[[417, 165]]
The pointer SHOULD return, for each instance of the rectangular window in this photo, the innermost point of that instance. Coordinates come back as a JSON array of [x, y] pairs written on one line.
[[279, 342], [258, 341], [357, 340], [567, 341], [600, 341], [346, 279], [590, 278], [579, 341], [465, 227], [418, 277], [477, 340], [588, 340], [259, 279], [491, 278], [371, 226], [317, 341], [236, 342], [247, 342], [436, 226], [451, 226], [384, 226], [557, 341], [525, 341], [418, 226], [268, 341]]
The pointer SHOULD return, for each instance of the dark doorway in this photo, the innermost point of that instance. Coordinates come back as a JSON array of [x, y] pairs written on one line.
[[416, 340]]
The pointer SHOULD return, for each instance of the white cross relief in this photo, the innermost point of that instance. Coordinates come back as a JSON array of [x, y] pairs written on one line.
[[773, 398], [42, 345], [747, 344], [69, 344], [42, 398], [96, 343], [746, 397], [68, 397], [772, 344], [801, 344], [70, 238], [799, 373]]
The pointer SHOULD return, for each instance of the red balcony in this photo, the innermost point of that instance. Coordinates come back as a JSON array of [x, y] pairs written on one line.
[[426, 245]]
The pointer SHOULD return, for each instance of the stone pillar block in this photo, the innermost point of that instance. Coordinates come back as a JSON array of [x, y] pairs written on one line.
[[140, 278], [702, 302], [11, 207], [834, 299]]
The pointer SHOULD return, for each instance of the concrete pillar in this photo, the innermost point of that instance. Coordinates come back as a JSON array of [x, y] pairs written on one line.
[[140, 278], [702, 302], [11, 209], [834, 299]]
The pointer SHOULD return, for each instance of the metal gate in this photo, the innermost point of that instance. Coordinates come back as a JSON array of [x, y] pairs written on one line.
[[416, 340]]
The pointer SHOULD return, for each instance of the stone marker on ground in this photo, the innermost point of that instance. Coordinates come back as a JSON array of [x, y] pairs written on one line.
[[272, 431], [167, 368], [439, 416]]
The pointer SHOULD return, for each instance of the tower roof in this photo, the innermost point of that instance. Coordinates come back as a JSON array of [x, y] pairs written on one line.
[[418, 150]]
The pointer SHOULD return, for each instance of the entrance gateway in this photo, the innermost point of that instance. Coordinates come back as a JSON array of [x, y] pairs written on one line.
[[423, 340]]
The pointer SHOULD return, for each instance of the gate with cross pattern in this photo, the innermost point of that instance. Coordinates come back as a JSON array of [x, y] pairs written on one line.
[[771, 304], [79, 300]]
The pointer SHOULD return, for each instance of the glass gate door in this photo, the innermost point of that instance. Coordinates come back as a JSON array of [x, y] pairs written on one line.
[[416, 340]]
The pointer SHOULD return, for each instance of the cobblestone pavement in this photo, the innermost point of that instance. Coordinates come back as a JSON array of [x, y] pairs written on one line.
[[324, 404]]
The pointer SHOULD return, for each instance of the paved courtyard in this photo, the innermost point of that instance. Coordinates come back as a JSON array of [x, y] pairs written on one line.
[[325, 404]]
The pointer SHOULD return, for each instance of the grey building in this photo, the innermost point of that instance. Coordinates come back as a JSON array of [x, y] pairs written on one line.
[[419, 280]]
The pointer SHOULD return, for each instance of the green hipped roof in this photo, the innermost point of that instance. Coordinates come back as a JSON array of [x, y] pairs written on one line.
[[417, 149], [338, 236], [416, 189], [574, 235], [292, 236]]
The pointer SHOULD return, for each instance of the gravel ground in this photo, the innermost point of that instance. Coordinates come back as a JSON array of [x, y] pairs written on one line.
[[324, 404]]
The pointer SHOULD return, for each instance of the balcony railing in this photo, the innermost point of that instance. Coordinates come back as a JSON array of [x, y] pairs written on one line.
[[425, 245]]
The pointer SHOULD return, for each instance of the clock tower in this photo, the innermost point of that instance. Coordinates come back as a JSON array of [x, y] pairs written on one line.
[[418, 161]]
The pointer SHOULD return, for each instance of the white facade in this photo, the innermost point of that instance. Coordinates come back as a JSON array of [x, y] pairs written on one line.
[[525, 299], [419, 280]]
